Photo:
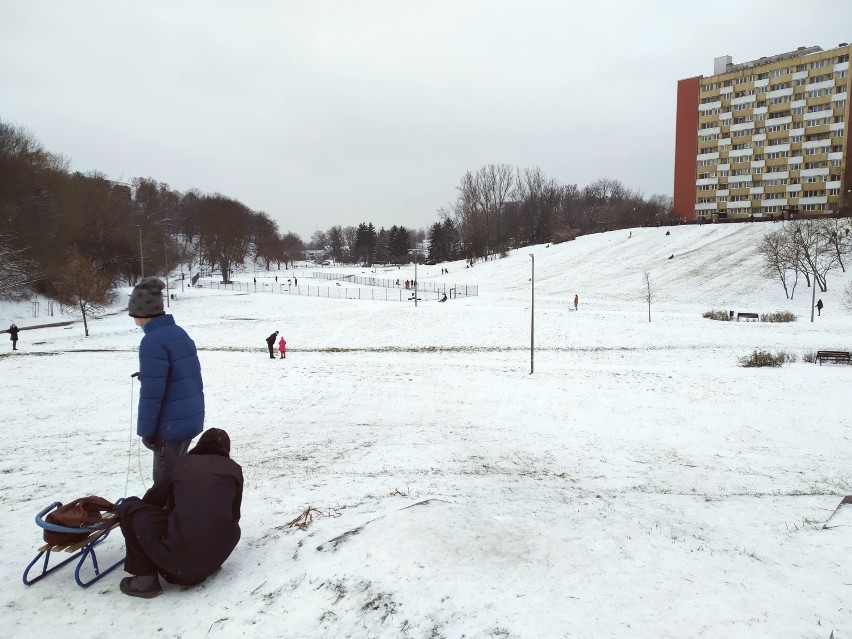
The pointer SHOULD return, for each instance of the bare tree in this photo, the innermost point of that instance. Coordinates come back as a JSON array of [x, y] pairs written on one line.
[[17, 269], [836, 234], [83, 287], [225, 232], [647, 292], [292, 247], [847, 297], [264, 238], [816, 254], [780, 259]]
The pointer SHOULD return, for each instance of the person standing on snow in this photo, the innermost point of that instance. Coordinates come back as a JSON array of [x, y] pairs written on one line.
[[171, 394], [282, 347], [13, 335], [576, 301], [819, 307], [270, 342]]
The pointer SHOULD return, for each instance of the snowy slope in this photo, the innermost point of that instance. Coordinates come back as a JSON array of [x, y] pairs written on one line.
[[638, 484]]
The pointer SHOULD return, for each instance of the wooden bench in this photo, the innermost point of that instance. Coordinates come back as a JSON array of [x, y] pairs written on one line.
[[838, 357], [753, 316]]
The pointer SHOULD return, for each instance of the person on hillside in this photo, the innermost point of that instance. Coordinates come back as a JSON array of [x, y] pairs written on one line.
[[295, 281], [282, 347], [576, 301], [819, 307], [171, 394], [13, 335], [270, 342], [187, 524]]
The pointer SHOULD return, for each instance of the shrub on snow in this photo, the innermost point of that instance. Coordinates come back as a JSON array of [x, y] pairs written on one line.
[[760, 359]]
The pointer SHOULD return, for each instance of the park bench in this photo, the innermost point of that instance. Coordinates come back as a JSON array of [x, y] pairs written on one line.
[[839, 357], [749, 316]]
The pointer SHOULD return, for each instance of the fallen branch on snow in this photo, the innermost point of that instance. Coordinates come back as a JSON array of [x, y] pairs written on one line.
[[306, 518]]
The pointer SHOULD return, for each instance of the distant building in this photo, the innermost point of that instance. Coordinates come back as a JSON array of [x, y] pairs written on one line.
[[765, 138], [314, 255]]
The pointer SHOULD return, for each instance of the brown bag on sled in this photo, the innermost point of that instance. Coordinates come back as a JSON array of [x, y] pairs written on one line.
[[80, 513]]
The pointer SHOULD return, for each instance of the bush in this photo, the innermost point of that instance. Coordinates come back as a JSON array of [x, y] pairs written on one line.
[[722, 316], [778, 316], [809, 357], [564, 234], [760, 359]]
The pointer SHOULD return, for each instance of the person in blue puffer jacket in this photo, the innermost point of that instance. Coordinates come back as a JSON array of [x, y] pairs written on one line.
[[171, 395]]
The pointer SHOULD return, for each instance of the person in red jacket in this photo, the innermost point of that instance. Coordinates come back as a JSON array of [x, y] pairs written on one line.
[[282, 347], [187, 524]]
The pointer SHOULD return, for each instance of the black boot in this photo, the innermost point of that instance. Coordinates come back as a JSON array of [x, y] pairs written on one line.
[[145, 586]]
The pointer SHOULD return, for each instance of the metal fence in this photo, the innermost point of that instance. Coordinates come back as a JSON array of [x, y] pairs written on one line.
[[332, 292], [450, 290]]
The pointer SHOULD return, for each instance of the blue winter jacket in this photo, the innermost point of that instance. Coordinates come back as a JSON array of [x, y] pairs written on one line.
[[171, 396]]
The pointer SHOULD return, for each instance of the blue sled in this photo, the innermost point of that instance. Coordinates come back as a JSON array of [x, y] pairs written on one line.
[[86, 552]]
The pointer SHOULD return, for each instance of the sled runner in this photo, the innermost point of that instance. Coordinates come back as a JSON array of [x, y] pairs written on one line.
[[83, 550]]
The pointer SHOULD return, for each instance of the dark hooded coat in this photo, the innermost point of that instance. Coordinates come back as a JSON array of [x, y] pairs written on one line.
[[187, 524]]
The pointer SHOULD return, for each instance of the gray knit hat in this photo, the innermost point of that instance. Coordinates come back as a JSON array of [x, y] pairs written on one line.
[[146, 300]]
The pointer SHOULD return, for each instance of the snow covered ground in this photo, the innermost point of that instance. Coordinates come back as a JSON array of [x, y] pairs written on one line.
[[639, 484]]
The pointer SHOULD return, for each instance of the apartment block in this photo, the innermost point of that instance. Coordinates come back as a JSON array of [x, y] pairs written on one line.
[[766, 138]]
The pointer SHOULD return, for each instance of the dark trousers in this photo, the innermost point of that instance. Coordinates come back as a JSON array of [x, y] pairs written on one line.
[[165, 454], [140, 523], [271, 354], [144, 527]]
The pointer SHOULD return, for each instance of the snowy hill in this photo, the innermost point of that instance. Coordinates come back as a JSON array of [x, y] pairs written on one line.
[[639, 483]]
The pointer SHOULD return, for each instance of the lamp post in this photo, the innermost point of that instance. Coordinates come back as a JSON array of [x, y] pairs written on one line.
[[166, 251], [141, 259], [532, 315]]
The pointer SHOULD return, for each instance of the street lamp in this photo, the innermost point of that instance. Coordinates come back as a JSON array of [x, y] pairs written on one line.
[[166, 252], [532, 315], [141, 259]]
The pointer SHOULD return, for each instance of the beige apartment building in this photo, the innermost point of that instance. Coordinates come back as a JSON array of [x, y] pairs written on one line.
[[768, 138]]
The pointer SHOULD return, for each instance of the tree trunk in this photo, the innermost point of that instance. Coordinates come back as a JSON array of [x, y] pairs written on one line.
[[85, 323]]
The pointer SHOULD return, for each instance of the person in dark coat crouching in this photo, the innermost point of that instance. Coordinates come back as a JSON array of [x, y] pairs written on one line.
[[187, 524]]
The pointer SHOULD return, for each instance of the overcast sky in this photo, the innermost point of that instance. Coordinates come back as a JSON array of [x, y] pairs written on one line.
[[323, 113]]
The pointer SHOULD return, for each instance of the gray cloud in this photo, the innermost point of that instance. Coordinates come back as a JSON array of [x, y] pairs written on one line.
[[326, 113]]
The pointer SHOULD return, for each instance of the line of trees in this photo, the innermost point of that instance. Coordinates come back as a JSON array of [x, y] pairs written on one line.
[[56, 224], [363, 244], [74, 237], [809, 249], [500, 207]]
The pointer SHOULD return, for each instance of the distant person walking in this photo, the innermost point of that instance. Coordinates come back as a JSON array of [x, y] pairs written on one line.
[[819, 307], [13, 335], [270, 342], [576, 301], [282, 348]]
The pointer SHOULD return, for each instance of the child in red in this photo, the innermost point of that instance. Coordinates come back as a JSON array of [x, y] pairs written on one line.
[[282, 347]]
